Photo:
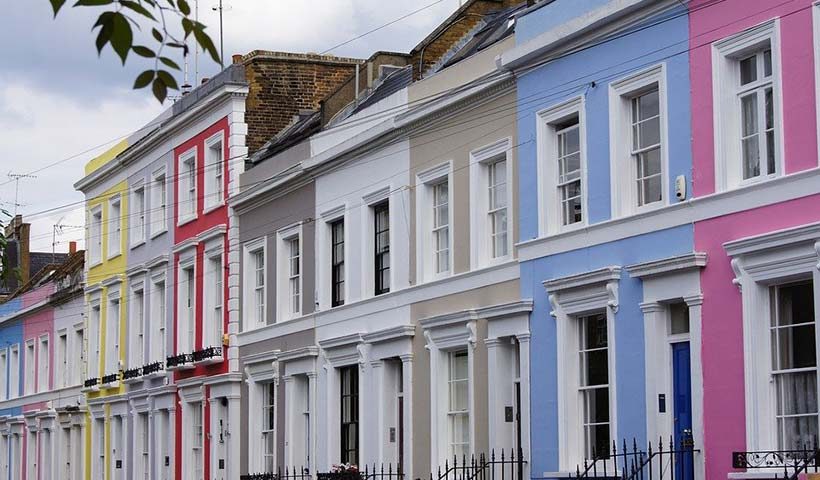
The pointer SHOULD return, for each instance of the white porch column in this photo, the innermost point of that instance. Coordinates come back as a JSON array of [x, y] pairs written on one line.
[[171, 433], [435, 372], [153, 451], [374, 436], [312, 388], [407, 420], [654, 331], [290, 419], [254, 446], [233, 434], [495, 404], [695, 304], [524, 376]]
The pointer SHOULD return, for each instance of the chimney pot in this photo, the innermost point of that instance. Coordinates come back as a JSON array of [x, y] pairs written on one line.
[[237, 58], [72, 248]]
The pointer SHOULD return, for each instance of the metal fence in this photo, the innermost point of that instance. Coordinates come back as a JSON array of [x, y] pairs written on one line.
[[504, 465], [781, 464], [656, 462], [280, 474]]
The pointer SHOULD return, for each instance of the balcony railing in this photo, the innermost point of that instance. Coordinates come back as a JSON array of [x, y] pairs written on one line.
[[91, 382], [110, 378], [210, 353], [132, 373], [152, 368], [178, 360]]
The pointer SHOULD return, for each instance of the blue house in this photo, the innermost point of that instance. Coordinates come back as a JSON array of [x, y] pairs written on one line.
[[607, 249]]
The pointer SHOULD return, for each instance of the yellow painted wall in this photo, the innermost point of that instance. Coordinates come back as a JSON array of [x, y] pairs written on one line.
[[110, 154]]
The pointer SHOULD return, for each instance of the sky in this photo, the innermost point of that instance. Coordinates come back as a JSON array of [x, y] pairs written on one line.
[[62, 104]]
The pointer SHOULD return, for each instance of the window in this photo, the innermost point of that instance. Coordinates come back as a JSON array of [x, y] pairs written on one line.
[[30, 369], [639, 151], [289, 285], [95, 236], [337, 262], [14, 372], [441, 227], [114, 227], [187, 295], [138, 216], [112, 335], [757, 114], [43, 365], [158, 314], [159, 203], [94, 341], [433, 222], [294, 276], [4, 394], [497, 208], [794, 364], [100, 470], [137, 350], [594, 384], [187, 186], [569, 171], [349, 377], [214, 300], [381, 233], [748, 118], [255, 284], [79, 356], [214, 167], [197, 440], [62, 368], [142, 445], [269, 428], [458, 411]]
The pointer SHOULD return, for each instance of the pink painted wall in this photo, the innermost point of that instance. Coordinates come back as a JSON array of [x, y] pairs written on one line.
[[722, 320], [33, 297], [35, 325], [724, 19]]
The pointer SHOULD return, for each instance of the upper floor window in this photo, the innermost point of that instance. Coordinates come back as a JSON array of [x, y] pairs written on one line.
[[213, 300], [441, 227], [159, 203], [746, 89], [137, 322], [337, 263], [569, 171], [61, 366], [381, 244], [14, 371], [497, 208], [158, 330], [95, 236], [112, 335], [30, 368], [94, 341], [254, 284], [114, 227], [289, 284], [43, 365], [214, 171], [638, 129], [137, 228], [3, 374], [187, 307], [187, 186], [491, 197]]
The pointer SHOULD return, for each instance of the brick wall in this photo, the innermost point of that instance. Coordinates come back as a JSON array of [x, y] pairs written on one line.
[[282, 84]]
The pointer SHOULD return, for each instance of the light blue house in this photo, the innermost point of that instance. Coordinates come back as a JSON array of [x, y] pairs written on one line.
[[607, 249]]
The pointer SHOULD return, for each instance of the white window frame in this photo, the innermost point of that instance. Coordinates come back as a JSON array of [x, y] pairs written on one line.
[[112, 350], [211, 336], [425, 241], [184, 329], [759, 263], [481, 247], [29, 367], [62, 368], [369, 203], [725, 56], [4, 372], [623, 180], [43, 364], [214, 192], [187, 207], [137, 324], [94, 339], [138, 219], [114, 227], [550, 215], [197, 430], [95, 235], [77, 360], [283, 290], [570, 298], [14, 371], [261, 370], [159, 318], [325, 267], [159, 202], [249, 306]]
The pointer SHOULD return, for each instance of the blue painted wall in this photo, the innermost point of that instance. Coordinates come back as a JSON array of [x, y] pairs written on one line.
[[661, 39], [11, 333]]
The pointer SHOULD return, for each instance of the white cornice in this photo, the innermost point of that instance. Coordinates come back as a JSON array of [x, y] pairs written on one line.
[[212, 233], [668, 265], [185, 245], [780, 238], [489, 313], [299, 353], [340, 342], [602, 275], [389, 334]]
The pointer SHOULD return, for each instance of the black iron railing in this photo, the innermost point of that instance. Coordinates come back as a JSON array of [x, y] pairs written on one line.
[[91, 382], [280, 474], [506, 465], [152, 368], [110, 378], [206, 354], [177, 360], [656, 462], [782, 464], [132, 373]]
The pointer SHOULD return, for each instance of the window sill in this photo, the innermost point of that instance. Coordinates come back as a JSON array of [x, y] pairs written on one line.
[[154, 375], [158, 233], [185, 220], [112, 257], [94, 263], [210, 208], [138, 244]]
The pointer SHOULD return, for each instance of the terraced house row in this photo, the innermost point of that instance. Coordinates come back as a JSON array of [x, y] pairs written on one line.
[[555, 239]]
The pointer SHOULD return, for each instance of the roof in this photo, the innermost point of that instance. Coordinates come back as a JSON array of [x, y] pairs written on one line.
[[304, 125], [497, 26], [387, 86]]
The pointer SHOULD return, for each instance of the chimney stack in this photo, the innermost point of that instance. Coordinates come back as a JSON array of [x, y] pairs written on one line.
[[237, 58], [72, 248]]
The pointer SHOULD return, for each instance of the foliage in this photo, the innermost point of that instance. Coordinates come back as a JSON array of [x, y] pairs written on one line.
[[6, 273], [116, 24]]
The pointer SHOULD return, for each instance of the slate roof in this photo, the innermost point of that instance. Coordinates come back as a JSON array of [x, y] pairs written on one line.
[[391, 84], [304, 125], [497, 26]]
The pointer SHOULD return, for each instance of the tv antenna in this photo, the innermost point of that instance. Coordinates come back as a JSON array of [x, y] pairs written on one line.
[[221, 8], [57, 229], [16, 177]]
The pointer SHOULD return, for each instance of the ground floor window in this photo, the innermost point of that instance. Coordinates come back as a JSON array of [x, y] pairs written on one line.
[[458, 414], [269, 427], [594, 384], [350, 414], [197, 441]]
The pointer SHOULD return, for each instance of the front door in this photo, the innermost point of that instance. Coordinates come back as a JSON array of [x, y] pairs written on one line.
[[682, 390]]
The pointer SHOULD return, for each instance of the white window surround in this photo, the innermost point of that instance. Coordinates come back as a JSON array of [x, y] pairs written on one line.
[[95, 235], [213, 327], [725, 54], [572, 297], [192, 398], [481, 248], [370, 201], [283, 297], [43, 364], [214, 194], [137, 324], [622, 180], [324, 269], [139, 217], [187, 209], [159, 203], [758, 263], [29, 368], [94, 339], [549, 204], [113, 323], [425, 181], [260, 371], [159, 321], [187, 262], [114, 227], [249, 249]]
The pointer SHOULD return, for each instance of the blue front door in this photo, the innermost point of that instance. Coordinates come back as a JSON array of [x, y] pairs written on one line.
[[682, 385]]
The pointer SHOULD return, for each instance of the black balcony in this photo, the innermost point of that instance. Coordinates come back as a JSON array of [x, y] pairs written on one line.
[[91, 382], [152, 368], [110, 378], [178, 360], [209, 353], [132, 373]]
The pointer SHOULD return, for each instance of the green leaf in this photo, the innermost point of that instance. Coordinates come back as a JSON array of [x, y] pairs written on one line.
[[92, 3], [160, 90], [121, 36], [187, 26], [206, 43], [56, 5], [168, 62], [184, 8], [157, 35], [104, 36], [143, 51], [144, 79], [137, 8], [167, 79]]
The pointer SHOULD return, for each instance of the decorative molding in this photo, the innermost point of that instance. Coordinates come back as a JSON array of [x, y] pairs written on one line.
[[585, 291], [299, 353], [668, 265], [343, 341], [693, 300], [185, 245], [738, 271], [585, 279], [650, 307], [378, 196], [212, 233], [777, 239], [389, 334]]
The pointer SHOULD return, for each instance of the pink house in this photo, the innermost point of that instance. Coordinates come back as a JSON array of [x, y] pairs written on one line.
[[754, 77]]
